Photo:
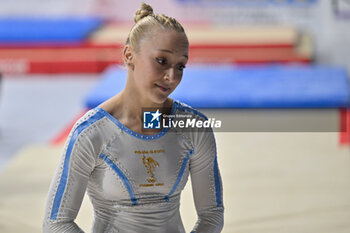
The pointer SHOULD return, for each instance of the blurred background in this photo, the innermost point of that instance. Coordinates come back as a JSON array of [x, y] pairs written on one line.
[[274, 71]]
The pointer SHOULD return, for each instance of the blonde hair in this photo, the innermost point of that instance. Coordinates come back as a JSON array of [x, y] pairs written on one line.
[[145, 21]]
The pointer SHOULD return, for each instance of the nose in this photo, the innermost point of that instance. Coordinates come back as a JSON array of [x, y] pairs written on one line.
[[170, 74]]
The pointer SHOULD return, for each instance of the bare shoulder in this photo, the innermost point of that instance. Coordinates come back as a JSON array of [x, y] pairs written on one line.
[[110, 105]]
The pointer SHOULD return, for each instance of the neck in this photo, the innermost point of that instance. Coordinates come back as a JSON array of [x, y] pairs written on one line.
[[131, 103]]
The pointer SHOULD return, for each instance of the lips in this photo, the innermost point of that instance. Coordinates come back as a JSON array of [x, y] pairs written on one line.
[[163, 88]]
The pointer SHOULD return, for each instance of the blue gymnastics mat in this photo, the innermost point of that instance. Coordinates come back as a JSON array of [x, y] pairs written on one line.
[[20, 30], [245, 87]]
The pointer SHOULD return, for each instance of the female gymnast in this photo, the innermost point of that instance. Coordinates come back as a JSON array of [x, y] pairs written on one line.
[[134, 179]]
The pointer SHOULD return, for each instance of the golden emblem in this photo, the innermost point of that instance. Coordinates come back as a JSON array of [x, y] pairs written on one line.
[[150, 165]]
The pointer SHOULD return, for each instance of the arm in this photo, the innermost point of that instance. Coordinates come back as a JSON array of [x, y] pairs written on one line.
[[206, 184], [70, 181]]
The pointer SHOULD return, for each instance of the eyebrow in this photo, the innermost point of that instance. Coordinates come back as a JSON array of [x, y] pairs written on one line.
[[168, 51]]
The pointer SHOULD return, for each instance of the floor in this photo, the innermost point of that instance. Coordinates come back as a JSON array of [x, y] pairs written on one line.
[[34, 108]]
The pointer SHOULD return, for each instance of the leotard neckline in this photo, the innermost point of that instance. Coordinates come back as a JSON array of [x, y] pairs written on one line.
[[133, 133]]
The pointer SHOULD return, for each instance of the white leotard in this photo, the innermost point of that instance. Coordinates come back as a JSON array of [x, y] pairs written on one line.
[[134, 181]]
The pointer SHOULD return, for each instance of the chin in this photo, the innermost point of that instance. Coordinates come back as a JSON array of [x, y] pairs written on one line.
[[159, 99]]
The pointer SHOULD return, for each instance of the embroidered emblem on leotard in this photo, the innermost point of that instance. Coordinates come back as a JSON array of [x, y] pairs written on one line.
[[150, 165]]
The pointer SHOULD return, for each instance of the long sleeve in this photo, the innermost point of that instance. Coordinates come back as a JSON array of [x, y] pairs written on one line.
[[70, 181], [206, 184]]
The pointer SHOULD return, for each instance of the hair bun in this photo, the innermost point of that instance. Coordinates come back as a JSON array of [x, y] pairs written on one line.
[[144, 11]]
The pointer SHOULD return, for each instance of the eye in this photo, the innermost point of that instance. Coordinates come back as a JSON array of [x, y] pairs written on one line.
[[181, 67], [161, 61]]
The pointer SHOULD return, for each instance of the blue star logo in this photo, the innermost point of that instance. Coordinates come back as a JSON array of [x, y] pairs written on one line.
[[151, 120]]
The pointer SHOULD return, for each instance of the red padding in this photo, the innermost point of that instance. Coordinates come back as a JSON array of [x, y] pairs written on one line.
[[116, 45], [59, 60], [247, 55], [53, 45], [88, 58], [344, 137], [69, 66]]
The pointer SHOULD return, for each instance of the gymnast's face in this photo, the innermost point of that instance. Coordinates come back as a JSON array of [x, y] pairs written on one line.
[[159, 64]]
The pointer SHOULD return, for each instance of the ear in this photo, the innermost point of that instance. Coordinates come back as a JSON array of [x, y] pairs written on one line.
[[128, 56]]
